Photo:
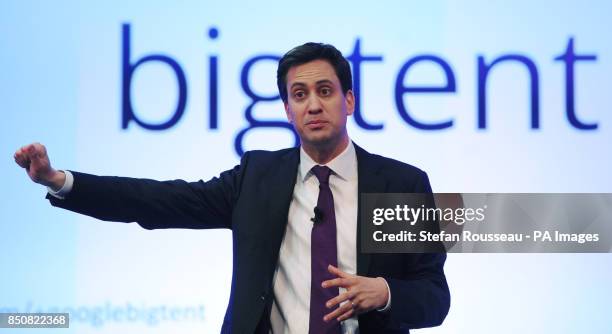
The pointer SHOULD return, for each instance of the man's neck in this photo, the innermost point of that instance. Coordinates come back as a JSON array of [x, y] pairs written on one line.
[[324, 154]]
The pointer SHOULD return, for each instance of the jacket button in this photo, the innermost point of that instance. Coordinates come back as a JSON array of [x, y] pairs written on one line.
[[263, 297]]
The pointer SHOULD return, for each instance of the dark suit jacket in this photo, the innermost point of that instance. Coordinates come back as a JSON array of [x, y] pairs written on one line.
[[252, 200]]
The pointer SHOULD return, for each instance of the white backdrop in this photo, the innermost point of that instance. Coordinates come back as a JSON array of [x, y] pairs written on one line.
[[61, 84]]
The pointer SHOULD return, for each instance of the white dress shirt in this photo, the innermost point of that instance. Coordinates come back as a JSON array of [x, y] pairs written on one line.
[[291, 307]]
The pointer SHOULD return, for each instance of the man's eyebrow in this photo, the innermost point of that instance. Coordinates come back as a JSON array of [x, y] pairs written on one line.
[[325, 81], [298, 84], [320, 82]]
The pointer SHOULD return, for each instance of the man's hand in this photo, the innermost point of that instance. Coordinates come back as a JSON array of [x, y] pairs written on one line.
[[34, 159], [362, 293]]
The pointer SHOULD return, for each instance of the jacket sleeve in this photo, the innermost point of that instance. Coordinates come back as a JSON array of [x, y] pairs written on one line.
[[421, 297], [156, 204]]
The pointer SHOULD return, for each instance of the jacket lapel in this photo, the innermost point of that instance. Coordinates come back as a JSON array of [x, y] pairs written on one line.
[[278, 185], [370, 180]]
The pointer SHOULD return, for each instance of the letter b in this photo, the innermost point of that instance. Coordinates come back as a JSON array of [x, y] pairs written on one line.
[[127, 113]]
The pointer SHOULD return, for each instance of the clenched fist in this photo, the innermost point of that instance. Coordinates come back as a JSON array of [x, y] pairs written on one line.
[[34, 159]]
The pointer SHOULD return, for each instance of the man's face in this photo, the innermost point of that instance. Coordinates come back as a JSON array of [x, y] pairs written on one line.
[[316, 105]]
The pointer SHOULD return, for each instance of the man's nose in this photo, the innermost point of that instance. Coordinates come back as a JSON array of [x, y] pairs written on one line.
[[314, 105]]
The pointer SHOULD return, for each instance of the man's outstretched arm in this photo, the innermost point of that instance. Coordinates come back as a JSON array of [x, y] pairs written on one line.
[[152, 204]]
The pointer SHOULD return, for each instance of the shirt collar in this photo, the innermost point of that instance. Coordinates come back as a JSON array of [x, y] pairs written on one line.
[[344, 165]]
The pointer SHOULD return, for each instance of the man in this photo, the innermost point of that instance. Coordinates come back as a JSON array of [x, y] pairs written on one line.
[[293, 214]]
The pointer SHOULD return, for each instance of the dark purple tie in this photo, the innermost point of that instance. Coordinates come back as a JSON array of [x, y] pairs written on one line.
[[323, 253]]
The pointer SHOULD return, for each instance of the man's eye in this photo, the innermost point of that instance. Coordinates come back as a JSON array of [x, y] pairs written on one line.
[[299, 94], [325, 91]]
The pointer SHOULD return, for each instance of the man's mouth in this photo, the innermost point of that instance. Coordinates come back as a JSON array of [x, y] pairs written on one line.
[[316, 122]]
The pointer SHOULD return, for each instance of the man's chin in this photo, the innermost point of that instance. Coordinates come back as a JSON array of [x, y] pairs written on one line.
[[321, 140]]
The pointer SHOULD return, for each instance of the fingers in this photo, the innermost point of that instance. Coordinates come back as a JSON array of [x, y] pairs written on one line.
[[340, 311], [21, 159], [33, 158], [338, 272], [31, 151], [36, 151], [346, 315], [341, 282], [38, 156], [22, 156], [340, 298]]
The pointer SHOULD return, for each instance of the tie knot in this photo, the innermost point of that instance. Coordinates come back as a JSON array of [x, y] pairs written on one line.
[[322, 173]]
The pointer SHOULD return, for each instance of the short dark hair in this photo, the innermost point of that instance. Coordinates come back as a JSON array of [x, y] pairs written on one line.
[[312, 51]]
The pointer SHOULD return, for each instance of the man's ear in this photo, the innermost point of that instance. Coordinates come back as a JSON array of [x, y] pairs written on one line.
[[288, 113], [349, 99]]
